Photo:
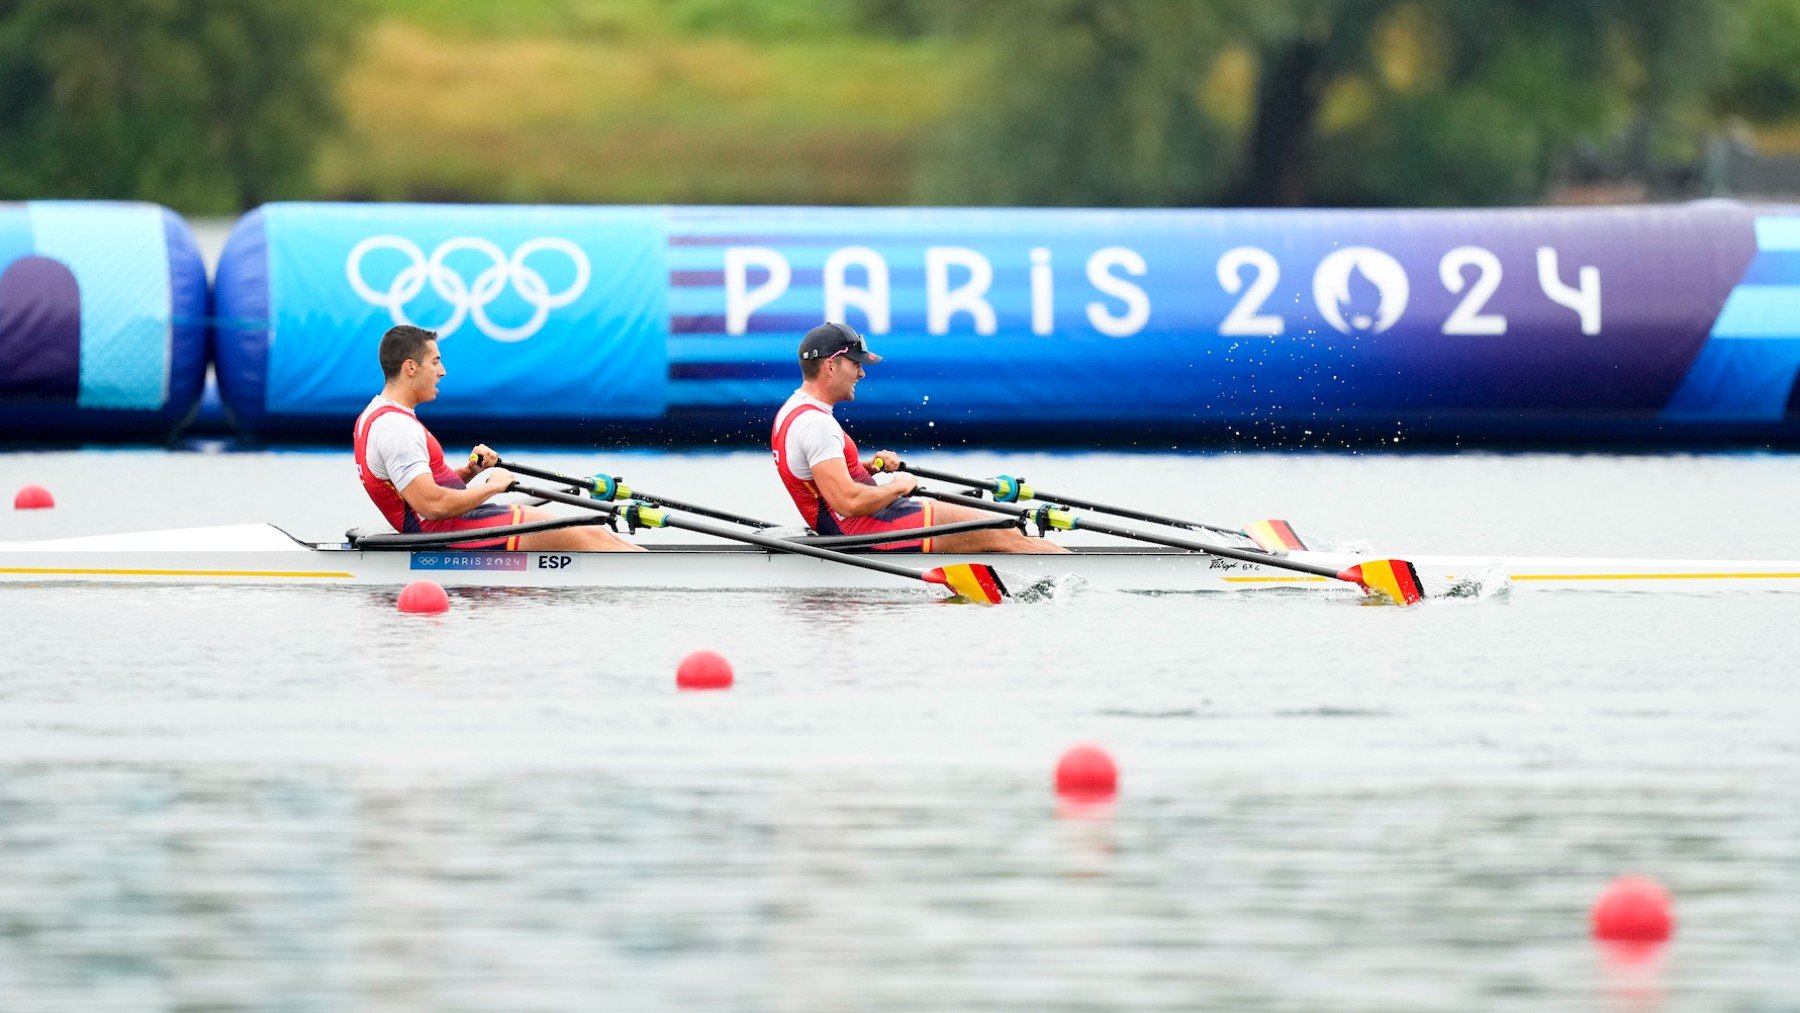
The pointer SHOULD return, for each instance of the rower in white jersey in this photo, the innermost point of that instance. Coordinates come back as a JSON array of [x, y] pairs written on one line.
[[835, 492], [403, 470]]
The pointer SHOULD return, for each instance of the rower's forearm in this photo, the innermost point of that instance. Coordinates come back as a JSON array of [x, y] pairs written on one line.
[[455, 502], [870, 499], [475, 496]]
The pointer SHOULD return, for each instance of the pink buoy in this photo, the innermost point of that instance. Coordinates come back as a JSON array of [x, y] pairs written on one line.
[[424, 596], [1633, 909], [1086, 773], [704, 670], [33, 497]]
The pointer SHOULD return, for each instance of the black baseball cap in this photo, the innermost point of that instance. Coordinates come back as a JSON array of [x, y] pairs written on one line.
[[829, 339]]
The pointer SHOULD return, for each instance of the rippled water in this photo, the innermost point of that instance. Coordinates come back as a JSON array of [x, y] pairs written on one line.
[[298, 798]]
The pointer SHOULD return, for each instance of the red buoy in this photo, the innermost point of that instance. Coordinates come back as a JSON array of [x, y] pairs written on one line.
[[1633, 909], [703, 670], [33, 497], [424, 596], [1086, 773]]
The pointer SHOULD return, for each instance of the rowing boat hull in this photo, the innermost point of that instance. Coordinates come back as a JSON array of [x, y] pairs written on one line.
[[263, 554]]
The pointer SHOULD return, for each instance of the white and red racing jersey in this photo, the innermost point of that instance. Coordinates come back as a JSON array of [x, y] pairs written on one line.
[[805, 434], [392, 448]]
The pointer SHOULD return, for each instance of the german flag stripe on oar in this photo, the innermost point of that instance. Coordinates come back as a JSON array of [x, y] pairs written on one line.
[[974, 581], [1274, 535], [1394, 579]]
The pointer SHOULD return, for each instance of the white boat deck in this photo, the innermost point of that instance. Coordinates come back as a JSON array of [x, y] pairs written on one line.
[[221, 538]]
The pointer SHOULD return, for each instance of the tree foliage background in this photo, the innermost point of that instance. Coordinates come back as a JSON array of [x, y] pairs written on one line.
[[207, 105], [1350, 102], [217, 105]]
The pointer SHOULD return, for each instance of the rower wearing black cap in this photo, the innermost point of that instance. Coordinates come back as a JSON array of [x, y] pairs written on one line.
[[835, 491]]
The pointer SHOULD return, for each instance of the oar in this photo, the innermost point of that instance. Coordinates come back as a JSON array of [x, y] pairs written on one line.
[[609, 487], [974, 581], [1270, 534], [1393, 579]]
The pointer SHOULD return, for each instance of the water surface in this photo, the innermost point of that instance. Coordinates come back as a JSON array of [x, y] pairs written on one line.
[[298, 798]]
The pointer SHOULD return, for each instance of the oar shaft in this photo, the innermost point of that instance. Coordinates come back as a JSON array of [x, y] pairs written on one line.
[[990, 485], [673, 504], [1229, 552], [986, 484], [1101, 527], [702, 527], [1136, 515]]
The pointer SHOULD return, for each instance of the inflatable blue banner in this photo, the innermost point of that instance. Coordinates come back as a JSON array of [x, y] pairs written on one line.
[[1175, 316], [1657, 322], [553, 314], [102, 321]]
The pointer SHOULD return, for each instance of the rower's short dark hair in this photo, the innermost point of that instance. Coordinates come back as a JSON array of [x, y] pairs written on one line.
[[809, 368], [402, 343]]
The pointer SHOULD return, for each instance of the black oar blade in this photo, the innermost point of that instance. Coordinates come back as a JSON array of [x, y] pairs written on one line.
[[1274, 536], [975, 581], [1392, 579]]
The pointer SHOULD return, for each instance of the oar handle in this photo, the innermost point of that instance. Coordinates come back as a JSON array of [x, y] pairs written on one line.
[[984, 484], [1007, 489], [601, 486], [610, 487]]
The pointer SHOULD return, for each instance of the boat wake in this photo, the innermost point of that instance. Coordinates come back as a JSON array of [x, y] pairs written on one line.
[[1058, 587], [1493, 582]]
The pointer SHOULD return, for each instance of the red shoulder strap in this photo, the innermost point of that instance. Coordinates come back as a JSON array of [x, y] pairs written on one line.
[[360, 437], [778, 441]]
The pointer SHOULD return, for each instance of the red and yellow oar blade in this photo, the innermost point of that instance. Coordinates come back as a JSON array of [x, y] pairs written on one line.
[[1393, 579], [974, 581], [1274, 536]]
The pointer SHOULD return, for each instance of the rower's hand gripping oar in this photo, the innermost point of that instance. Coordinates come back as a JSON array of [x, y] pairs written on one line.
[[611, 488], [975, 581], [1273, 535], [1394, 580]]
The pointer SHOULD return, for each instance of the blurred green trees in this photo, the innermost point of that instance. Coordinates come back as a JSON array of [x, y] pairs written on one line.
[[216, 105], [1352, 102], [1763, 82], [1094, 102], [208, 105]]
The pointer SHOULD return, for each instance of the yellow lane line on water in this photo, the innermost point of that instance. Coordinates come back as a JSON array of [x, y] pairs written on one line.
[[75, 572]]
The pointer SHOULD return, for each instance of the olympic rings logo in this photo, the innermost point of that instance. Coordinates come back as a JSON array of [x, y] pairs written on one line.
[[469, 300]]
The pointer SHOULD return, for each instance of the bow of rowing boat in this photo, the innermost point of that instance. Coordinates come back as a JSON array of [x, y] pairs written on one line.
[[220, 538]]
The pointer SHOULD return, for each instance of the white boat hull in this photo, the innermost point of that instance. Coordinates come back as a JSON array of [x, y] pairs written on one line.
[[263, 554]]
